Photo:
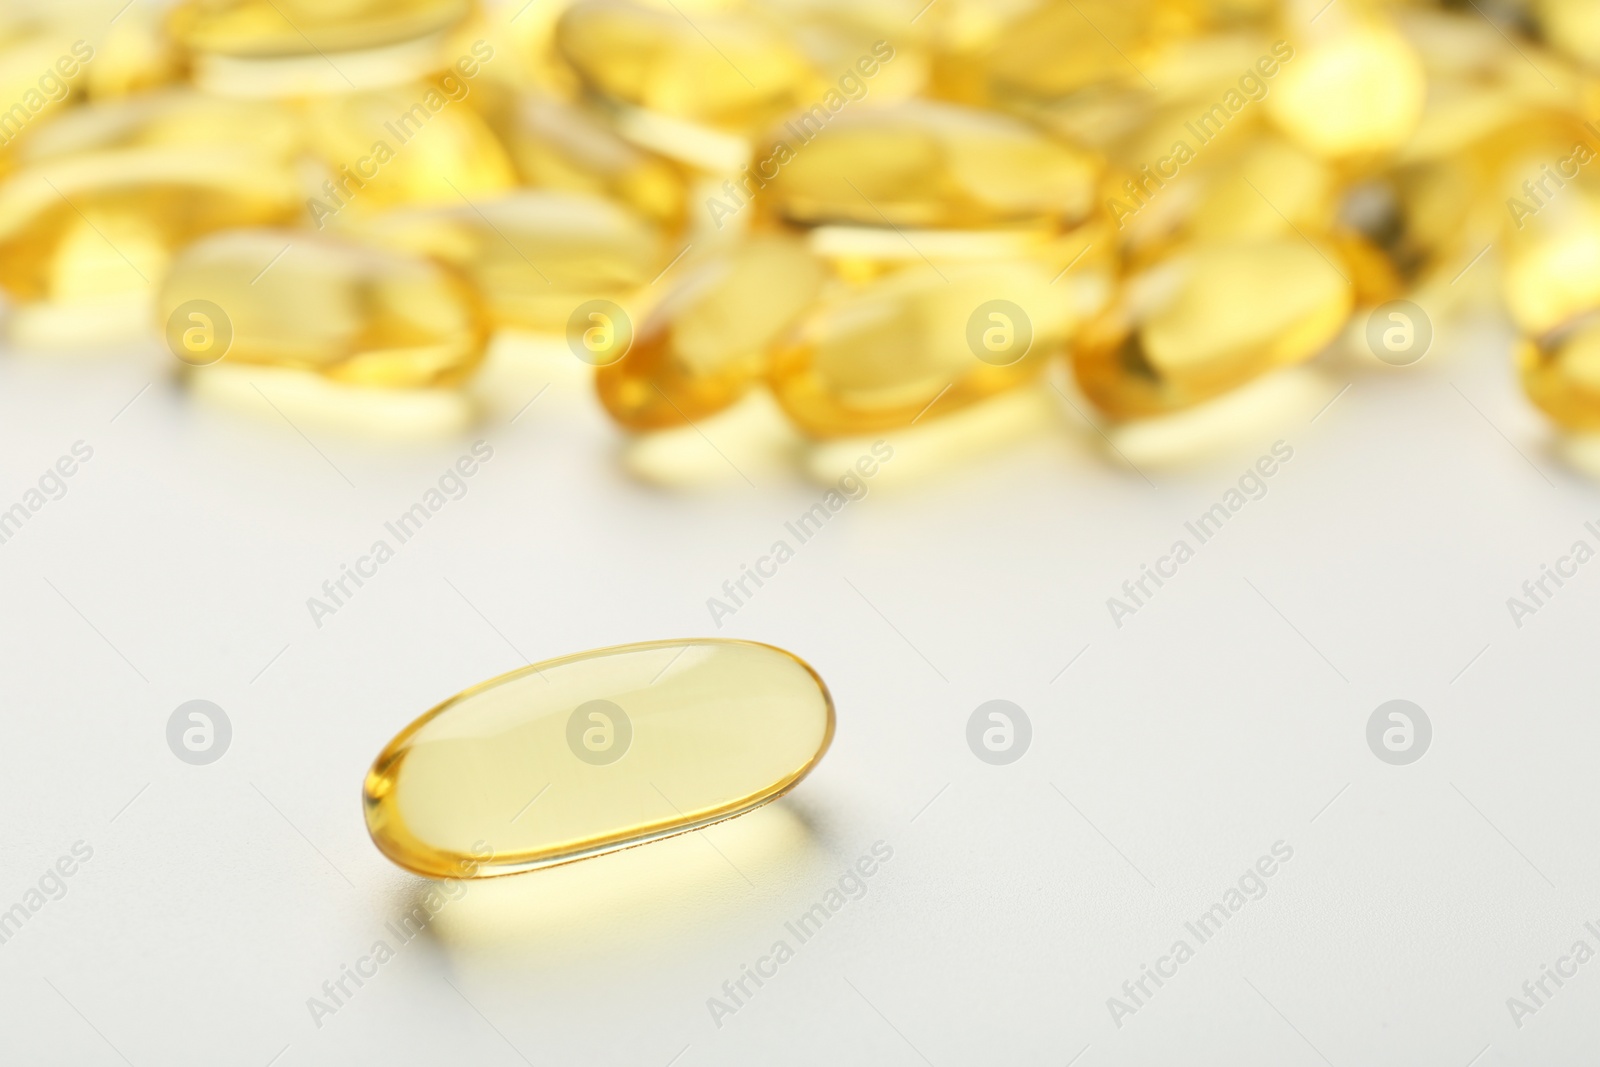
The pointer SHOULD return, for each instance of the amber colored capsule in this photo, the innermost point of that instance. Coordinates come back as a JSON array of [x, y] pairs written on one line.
[[1560, 372], [731, 67], [1551, 215], [1208, 318], [358, 314], [710, 338], [924, 164], [920, 343], [557, 145], [85, 238], [578, 756], [410, 144], [533, 255], [293, 47]]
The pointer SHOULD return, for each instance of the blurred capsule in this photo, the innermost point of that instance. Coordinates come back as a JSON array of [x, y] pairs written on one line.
[[1350, 85], [703, 345], [282, 48], [1066, 47], [176, 116], [355, 313], [1208, 318], [920, 343], [731, 68], [1551, 219], [85, 238], [533, 255], [411, 144], [1571, 26], [1561, 372], [919, 163], [556, 145], [41, 75]]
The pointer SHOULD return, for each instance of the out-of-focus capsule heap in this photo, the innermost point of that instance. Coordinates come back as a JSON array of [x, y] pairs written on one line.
[[879, 212]]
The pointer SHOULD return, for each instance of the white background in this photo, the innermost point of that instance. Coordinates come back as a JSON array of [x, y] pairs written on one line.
[[1227, 715]]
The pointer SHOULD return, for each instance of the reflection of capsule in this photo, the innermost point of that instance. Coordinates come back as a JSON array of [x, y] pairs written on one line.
[[710, 336], [532, 255], [1208, 318], [919, 343], [282, 48], [357, 314]]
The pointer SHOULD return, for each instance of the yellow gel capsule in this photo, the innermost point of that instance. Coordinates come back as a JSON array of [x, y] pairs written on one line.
[[1063, 48], [920, 343], [358, 314], [1552, 263], [1561, 373], [410, 144], [84, 239], [921, 163], [533, 256], [41, 76], [297, 47], [710, 337], [574, 757], [733, 69], [1208, 318], [169, 117], [1354, 88], [556, 145], [1573, 26]]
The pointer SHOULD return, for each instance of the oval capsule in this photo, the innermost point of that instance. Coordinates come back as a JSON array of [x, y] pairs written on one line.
[[709, 339], [281, 48], [920, 343], [923, 164], [1560, 372], [731, 67], [1209, 318], [406, 145], [85, 238], [574, 757], [356, 313], [533, 255]]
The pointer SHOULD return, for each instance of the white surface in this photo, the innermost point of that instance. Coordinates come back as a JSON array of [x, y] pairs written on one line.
[[1170, 756]]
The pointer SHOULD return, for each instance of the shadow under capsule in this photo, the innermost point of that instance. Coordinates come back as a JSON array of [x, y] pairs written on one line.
[[637, 902]]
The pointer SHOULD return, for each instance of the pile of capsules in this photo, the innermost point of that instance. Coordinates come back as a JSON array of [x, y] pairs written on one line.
[[880, 211]]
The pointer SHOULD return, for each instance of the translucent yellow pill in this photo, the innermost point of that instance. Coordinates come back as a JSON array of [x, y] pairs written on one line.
[[733, 67], [175, 116], [712, 334], [358, 314], [1573, 26], [921, 343], [42, 72], [1060, 49], [85, 238], [920, 163], [533, 256], [557, 145], [1354, 87], [1552, 258], [1561, 373], [296, 47], [1208, 318], [417, 143], [587, 754]]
